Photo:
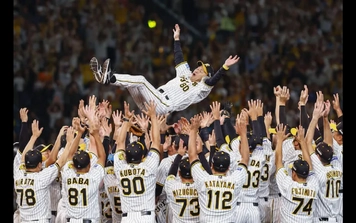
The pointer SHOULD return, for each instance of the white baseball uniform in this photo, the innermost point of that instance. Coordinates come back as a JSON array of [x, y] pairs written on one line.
[[176, 95], [82, 192], [104, 203], [33, 194], [182, 200], [162, 203], [339, 152], [297, 198], [247, 209], [263, 191], [274, 197], [217, 193], [55, 194], [112, 189], [289, 153], [137, 184], [330, 177]]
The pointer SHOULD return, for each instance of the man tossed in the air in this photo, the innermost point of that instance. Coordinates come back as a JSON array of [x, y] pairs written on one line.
[[188, 87]]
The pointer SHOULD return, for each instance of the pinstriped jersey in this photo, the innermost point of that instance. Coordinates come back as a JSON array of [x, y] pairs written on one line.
[[105, 207], [182, 200], [298, 199], [182, 91], [55, 192], [338, 151], [217, 193], [32, 192], [272, 186], [266, 171], [249, 192], [289, 153], [82, 191], [137, 182], [330, 177], [112, 190]]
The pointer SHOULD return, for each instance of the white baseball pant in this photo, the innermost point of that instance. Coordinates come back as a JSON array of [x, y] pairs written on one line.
[[142, 91], [274, 202], [247, 212], [161, 211], [263, 205], [61, 212], [17, 216]]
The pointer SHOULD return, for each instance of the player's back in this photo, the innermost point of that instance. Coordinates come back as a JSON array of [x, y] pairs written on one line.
[[183, 200], [137, 183], [82, 191], [218, 197], [250, 189], [111, 185], [298, 199], [33, 193], [330, 178]]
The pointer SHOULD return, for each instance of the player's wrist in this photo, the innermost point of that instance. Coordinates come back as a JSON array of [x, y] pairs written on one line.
[[225, 67]]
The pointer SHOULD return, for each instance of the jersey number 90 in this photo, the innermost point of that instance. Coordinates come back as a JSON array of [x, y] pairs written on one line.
[[135, 185]]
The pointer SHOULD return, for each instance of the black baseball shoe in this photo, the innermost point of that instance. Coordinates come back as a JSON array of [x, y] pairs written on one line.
[[96, 68]]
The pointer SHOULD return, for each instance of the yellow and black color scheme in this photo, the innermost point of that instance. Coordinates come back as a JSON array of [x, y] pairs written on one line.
[[32, 158], [208, 69], [134, 152]]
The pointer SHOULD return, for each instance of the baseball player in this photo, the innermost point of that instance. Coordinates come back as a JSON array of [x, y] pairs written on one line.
[[327, 168], [112, 189], [137, 177], [182, 196], [217, 193], [32, 181], [82, 178], [188, 87], [299, 190], [104, 202]]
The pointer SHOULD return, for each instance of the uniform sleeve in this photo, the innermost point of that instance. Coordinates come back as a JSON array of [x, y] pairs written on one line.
[[198, 171], [49, 174], [168, 186], [240, 174], [283, 180], [152, 159], [162, 172], [183, 70], [119, 160]]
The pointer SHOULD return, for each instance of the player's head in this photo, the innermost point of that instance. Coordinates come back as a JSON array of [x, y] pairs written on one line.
[[81, 159], [203, 70], [134, 152], [44, 150], [184, 169], [221, 161], [301, 168], [178, 137], [324, 152], [253, 141], [33, 159]]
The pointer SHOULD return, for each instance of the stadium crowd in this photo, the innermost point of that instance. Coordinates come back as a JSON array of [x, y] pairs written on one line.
[[279, 42]]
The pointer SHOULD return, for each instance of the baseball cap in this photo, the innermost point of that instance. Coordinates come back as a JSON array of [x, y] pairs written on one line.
[[43, 147], [292, 131], [184, 167], [81, 159], [325, 151], [253, 141], [221, 161], [337, 128], [32, 158], [301, 167], [134, 152], [208, 69], [184, 137]]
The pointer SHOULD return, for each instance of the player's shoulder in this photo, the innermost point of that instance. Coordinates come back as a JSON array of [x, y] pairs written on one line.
[[109, 170], [170, 177]]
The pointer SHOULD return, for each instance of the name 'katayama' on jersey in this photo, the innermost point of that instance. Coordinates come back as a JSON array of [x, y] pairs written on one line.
[[333, 174], [185, 191], [219, 183], [26, 181], [303, 191], [130, 172], [78, 180]]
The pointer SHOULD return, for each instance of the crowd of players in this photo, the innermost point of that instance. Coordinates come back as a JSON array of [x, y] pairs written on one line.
[[127, 166]]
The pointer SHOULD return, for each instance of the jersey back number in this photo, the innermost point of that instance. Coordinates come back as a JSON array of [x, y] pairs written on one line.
[[194, 202], [135, 185], [304, 205], [219, 200], [27, 195]]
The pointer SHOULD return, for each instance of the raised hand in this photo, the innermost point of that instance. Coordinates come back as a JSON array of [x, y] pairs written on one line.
[[70, 134], [184, 123], [327, 108], [215, 110], [336, 102], [127, 112], [36, 130], [284, 96], [150, 109], [277, 91], [231, 60], [300, 134], [92, 102], [318, 109], [116, 116], [252, 109], [281, 132], [167, 143], [142, 121], [303, 98], [212, 139], [106, 126], [206, 118], [80, 110], [241, 124], [176, 32], [319, 96], [181, 149], [259, 107], [23, 114]]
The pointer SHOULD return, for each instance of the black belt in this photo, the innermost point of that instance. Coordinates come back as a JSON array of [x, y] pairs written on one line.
[[162, 91], [54, 213], [323, 219], [142, 213], [84, 220], [254, 203]]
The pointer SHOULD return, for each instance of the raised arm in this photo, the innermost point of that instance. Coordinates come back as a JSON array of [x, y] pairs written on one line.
[[24, 135], [241, 129], [328, 137], [231, 60], [155, 126], [178, 53], [280, 135], [57, 145], [193, 132], [317, 113], [337, 108], [36, 132]]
